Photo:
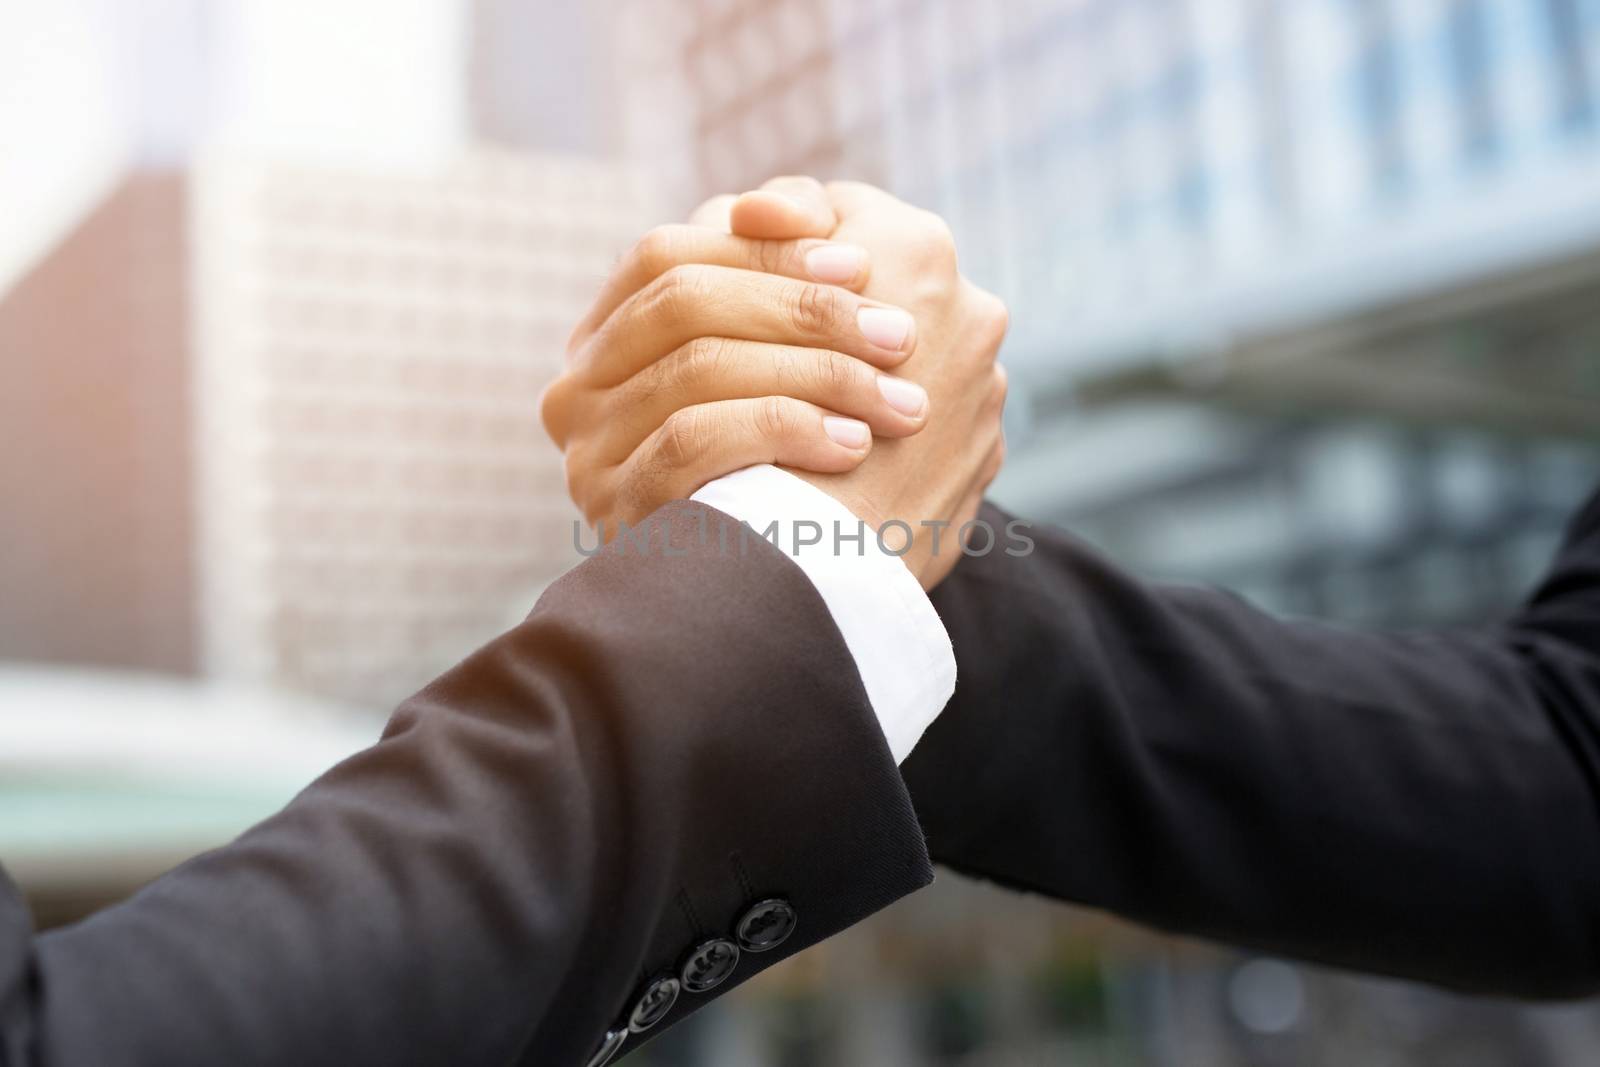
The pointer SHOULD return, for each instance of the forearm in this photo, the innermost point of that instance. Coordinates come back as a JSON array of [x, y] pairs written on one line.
[[1408, 805], [568, 811]]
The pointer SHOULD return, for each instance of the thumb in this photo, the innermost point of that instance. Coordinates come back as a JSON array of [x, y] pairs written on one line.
[[784, 208]]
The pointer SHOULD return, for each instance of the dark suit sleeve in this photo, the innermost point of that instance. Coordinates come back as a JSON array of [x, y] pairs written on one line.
[[1418, 805], [665, 742]]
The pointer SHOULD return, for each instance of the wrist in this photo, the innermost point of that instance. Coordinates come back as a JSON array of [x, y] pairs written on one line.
[[892, 535], [844, 489]]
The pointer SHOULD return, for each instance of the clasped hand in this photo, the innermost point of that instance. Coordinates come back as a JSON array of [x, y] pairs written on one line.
[[823, 329]]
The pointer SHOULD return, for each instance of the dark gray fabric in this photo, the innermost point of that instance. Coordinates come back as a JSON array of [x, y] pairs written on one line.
[[1418, 805], [666, 740]]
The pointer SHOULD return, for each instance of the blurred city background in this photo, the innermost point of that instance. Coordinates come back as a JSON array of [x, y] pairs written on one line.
[[1305, 300]]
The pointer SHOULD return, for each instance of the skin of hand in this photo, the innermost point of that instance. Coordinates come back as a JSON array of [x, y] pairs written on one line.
[[940, 475], [923, 494], [706, 352]]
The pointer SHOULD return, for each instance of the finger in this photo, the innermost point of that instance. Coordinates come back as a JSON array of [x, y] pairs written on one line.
[[707, 301], [555, 405], [706, 441], [988, 470], [784, 208], [714, 213], [666, 247], [707, 370], [950, 546], [992, 463], [999, 387]]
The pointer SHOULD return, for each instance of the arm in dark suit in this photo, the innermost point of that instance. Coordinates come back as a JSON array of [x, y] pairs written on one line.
[[1417, 805], [540, 832]]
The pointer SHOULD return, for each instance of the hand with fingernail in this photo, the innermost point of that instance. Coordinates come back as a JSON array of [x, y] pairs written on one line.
[[708, 350], [938, 476]]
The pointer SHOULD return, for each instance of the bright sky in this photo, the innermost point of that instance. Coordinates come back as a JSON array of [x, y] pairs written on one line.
[[89, 86]]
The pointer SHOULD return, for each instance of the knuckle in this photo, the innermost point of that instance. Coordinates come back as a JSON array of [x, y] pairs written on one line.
[[815, 310], [552, 410], [934, 244], [771, 257], [934, 227], [773, 417], [636, 414], [836, 374], [997, 459], [985, 318], [677, 442], [656, 251], [789, 369], [995, 318], [999, 385], [649, 380], [677, 290], [702, 359]]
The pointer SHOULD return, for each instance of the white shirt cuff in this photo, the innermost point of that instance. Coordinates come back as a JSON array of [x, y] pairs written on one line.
[[900, 647]]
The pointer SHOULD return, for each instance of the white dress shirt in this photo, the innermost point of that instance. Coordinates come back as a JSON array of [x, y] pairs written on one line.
[[900, 647]]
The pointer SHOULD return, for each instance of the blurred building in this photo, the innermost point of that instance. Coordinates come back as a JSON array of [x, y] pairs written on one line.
[[1262, 257], [376, 494], [95, 467], [279, 423], [1178, 153], [289, 281], [279, 286]]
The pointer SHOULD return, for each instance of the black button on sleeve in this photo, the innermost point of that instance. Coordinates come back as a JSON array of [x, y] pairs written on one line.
[[709, 965], [654, 1003], [766, 925], [609, 1046]]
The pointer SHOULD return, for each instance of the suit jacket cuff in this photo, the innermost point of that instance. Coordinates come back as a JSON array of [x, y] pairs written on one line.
[[894, 635]]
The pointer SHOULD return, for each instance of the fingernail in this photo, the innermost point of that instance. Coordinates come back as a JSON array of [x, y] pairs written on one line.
[[851, 433], [835, 264], [908, 398], [884, 327]]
